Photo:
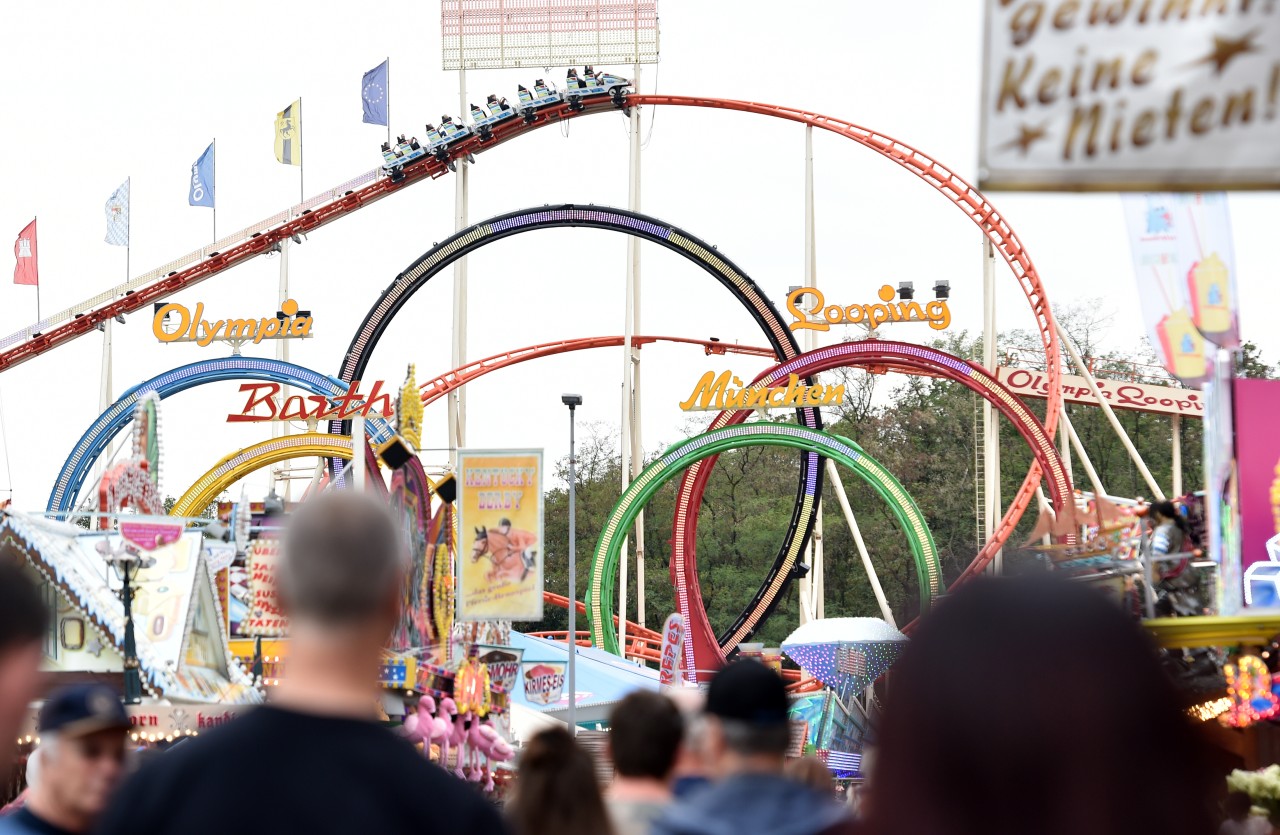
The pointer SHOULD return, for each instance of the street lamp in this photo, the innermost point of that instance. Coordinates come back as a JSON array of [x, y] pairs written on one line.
[[573, 401], [127, 563]]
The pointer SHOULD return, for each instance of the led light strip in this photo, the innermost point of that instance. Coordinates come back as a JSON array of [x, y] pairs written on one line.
[[703, 650], [117, 416], [600, 590], [251, 459]]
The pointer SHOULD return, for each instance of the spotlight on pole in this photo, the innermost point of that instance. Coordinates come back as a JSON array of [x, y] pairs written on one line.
[[906, 290], [573, 401], [942, 289]]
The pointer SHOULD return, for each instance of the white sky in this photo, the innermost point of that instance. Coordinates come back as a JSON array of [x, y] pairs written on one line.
[[96, 92]]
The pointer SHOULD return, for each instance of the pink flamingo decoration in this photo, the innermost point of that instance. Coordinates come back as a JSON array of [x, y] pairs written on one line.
[[450, 717]]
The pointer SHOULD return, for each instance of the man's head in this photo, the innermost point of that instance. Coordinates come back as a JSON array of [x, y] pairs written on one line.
[[23, 624], [746, 726], [344, 565], [644, 738], [82, 750]]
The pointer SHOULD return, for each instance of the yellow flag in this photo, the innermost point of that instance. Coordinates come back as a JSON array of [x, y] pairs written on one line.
[[289, 134]]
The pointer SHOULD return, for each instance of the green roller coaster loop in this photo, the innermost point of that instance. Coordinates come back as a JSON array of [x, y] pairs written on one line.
[[601, 592]]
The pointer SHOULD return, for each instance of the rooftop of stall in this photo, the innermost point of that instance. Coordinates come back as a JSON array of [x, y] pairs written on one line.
[[602, 680]]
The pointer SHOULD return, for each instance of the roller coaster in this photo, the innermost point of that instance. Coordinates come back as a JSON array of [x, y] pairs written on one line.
[[411, 161]]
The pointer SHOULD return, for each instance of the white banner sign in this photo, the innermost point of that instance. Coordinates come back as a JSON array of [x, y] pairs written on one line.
[[1141, 397], [1131, 95]]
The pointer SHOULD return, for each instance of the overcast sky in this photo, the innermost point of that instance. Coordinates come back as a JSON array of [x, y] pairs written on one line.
[[97, 92]]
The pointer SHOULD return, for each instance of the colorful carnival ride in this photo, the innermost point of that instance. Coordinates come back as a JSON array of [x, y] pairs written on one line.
[[452, 703]]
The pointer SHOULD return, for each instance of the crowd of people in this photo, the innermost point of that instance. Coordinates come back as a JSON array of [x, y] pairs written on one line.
[[1020, 706]]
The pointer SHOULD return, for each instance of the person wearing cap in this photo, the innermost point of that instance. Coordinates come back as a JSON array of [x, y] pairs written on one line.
[[82, 750], [745, 737]]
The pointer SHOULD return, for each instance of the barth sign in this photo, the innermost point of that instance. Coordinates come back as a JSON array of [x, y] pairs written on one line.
[[1141, 397]]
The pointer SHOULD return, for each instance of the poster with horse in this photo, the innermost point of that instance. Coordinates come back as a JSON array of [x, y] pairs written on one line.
[[500, 533]]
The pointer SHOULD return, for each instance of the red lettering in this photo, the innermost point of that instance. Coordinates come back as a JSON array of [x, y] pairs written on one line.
[[300, 410], [246, 414], [374, 397]]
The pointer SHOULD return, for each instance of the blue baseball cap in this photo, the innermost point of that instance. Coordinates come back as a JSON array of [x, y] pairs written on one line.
[[82, 709]]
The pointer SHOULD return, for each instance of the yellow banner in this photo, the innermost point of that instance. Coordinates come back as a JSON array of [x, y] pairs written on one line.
[[500, 549]]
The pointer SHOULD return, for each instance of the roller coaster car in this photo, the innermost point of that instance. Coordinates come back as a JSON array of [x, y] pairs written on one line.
[[594, 83], [531, 102], [499, 111], [396, 157]]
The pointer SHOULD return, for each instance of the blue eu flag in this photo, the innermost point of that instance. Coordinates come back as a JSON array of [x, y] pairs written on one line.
[[374, 92], [202, 179]]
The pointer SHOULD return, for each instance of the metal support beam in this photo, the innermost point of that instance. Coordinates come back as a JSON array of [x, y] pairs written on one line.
[[630, 370], [457, 416], [1176, 428], [1084, 456], [1110, 413], [990, 421], [833, 475]]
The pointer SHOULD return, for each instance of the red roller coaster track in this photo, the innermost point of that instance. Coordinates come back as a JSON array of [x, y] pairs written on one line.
[[319, 211], [434, 389]]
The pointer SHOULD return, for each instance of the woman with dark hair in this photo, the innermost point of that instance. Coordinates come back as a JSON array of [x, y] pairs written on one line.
[[556, 790], [1035, 705], [1169, 535]]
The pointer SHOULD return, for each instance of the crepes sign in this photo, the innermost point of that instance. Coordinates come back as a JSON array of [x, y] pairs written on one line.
[[1131, 95]]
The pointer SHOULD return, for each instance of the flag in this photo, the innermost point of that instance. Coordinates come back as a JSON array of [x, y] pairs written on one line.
[[118, 216], [202, 179], [27, 268], [374, 92], [289, 134]]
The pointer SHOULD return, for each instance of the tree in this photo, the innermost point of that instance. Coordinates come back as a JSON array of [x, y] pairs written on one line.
[[1249, 363]]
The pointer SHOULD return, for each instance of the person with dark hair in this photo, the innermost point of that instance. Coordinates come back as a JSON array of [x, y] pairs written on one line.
[[556, 790], [1035, 705], [81, 761], [745, 736], [24, 621], [324, 762], [1169, 535], [645, 732]]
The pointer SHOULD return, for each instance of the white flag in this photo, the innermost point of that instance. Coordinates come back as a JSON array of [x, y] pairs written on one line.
[[118, 216]]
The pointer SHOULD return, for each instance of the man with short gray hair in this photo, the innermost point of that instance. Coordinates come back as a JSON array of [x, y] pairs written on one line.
[[744, 736], [316, 750]]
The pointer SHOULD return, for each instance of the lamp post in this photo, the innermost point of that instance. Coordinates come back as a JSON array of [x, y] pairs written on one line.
[[127, 563], [573, 401]]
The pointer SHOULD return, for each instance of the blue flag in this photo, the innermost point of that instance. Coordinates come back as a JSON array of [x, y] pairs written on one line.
[[374, 92], [202, 174]]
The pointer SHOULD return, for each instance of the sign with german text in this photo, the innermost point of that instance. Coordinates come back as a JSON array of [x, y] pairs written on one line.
[[500, 551], [265, 616], [1131, 95], [1140, 397], [543, 682], [503, 664]]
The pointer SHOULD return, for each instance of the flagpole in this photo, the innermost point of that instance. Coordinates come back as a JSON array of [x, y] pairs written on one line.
[[214, 188], [388, 99], [302, 163], [34, 220]]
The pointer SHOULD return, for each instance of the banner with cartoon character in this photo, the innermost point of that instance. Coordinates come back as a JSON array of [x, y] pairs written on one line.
[[1185, 267], [500, 550]]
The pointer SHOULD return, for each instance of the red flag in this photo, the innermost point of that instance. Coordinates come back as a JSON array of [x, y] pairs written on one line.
[[26, 270]]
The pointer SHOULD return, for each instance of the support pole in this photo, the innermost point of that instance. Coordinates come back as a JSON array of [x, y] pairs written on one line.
[[1175, 424], [630, 361], [1084, 457], [281, 428], [458, 397], [813, 586], [833, 475], [573, 579], [359, 478], [1111, 415], [990, 421]]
